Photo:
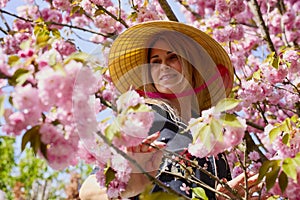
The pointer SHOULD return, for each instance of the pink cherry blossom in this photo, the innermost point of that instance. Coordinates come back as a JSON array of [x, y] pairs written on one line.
[[147, 14], [61, 4], [3, 3], [15, 123], [86, 155], [60, 151], [138, 124], [254, 155], [25, 99], [64, 47], [52, 16], [185, 188], [22, 25], [86, 5], [104, 3], [236, 7], [129, 99]]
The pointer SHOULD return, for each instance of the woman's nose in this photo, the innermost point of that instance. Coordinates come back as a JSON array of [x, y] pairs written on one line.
[[164, 67]]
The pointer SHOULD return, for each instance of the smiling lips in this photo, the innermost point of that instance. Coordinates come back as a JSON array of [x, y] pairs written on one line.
[[167, 76]]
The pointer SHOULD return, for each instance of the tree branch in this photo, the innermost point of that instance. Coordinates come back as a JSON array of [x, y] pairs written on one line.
[[188, 8], [55, 23], [264, 27], [167, 9], [255, 125]]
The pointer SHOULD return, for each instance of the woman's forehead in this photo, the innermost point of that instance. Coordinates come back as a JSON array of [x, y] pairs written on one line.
[[161, 44]]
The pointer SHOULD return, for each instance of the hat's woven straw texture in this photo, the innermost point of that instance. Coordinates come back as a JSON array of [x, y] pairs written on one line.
[[128, 52]]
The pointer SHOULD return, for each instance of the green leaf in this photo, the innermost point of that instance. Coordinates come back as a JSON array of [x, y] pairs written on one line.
[[2, 100], [99, 12], [230, 120], [75, 9], [286, 125], [19, 77], [257, 75], [52, 58], [112, 130], [275, 62], [217, 129], [283, 181], [12, 60], [110, 175], [29, 136], [204, 135], [296, 159], [286, 139], [226, 104], [58, 67], [264, 169], [55, 33], [78, 56], [133, 16], [200, 193], [271, 177], [274, 133], [43, 149], [294, 118], [139, 108], [290, 168], [42, 37], [35, 143], [26, 44]]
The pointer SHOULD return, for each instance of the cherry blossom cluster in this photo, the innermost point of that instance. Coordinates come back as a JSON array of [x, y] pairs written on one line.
[[214, 132]]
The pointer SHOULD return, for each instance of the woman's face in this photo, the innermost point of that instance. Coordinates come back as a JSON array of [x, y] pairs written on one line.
[[166, 69]]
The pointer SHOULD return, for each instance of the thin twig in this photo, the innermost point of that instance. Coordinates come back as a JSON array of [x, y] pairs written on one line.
[[55, 23], [262, 112], [200, 183], [5, 22], [244, 167], [202, 170], [3, 31], [294, 86], [120, 9], [281, 7], [280, 88]]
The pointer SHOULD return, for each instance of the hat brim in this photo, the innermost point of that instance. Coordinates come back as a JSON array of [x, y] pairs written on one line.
[[128, 52]]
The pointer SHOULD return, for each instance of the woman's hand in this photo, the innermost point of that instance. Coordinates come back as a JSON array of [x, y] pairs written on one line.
[[147, 154], [238, 183]]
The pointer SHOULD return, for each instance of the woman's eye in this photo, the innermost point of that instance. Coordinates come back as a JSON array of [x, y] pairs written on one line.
[[173, 57], [155, 62]]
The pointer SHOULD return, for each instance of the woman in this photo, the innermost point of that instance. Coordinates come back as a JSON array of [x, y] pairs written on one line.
[[180, 71]]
